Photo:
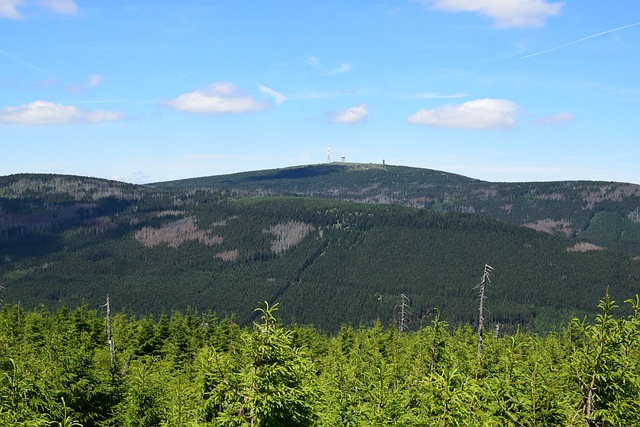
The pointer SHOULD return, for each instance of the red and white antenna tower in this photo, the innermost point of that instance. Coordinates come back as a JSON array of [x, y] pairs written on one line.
[[328, 153]]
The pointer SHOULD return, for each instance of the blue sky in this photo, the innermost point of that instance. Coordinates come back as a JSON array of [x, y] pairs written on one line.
[[500, 90]]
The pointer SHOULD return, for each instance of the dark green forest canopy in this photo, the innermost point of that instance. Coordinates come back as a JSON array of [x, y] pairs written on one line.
[[73, 240], [562, 207]]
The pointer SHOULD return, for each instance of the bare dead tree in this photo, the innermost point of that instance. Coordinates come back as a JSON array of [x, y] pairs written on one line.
[[405, 313], [484, 280], [287, 235], [109, 338], [125, 367], [176, 233]]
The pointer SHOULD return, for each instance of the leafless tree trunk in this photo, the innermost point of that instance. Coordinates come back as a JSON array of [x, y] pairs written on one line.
[[405, 305], [109, 338], [481, 288]]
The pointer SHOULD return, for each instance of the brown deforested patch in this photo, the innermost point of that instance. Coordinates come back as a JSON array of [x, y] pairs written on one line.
[[626, 190], [488, 193], [466, 209], [228, 256], [613, 192], [382, 198], [420, 202], [584, 247], [288, 235], [550, 196], [175, 233], [551, 226], [595, 195]]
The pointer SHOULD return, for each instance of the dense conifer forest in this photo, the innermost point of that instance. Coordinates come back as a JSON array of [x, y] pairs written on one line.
[[226, 244], [602, 213], [274, 299], [81, 368]]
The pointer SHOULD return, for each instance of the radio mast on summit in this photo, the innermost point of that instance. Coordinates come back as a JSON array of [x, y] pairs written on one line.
[[328, 153]]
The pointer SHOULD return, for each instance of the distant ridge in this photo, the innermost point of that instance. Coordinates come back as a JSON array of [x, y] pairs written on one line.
[[602, 213], [315, 173]]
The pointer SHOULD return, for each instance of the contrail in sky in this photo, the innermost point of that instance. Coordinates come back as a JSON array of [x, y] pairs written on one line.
[[580, 40], [23, 62]]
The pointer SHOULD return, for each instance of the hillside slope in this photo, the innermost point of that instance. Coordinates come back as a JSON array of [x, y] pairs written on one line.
[[602, 213], [327, 262]]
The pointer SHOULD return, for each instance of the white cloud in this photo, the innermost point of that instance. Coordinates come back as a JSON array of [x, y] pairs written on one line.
[[352, 115], [478, 114], [49, 113], [9, 8], [218, 98], [277, 96], [563, 117], [506, 13], [65, 7]]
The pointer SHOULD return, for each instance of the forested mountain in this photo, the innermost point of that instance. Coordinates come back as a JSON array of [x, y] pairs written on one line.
[[71, 240], [602, 213]]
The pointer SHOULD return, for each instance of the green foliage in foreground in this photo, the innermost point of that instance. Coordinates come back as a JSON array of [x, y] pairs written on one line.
[[192, 369]]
